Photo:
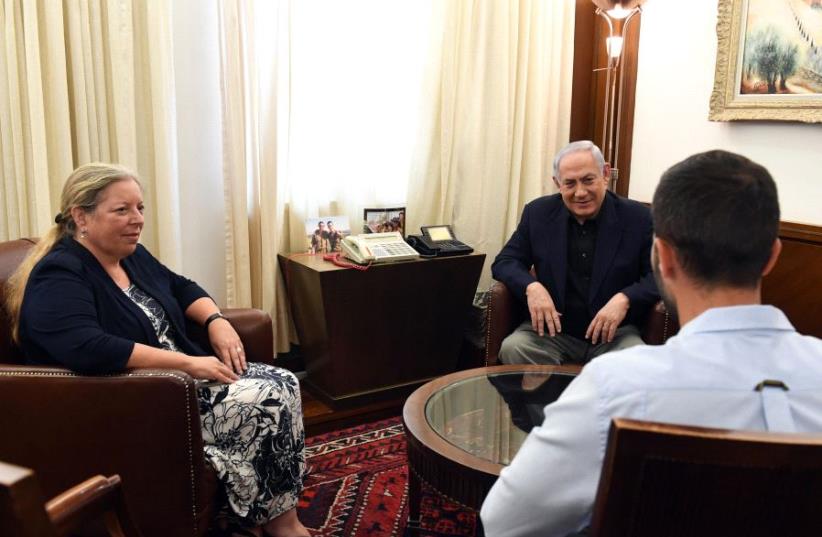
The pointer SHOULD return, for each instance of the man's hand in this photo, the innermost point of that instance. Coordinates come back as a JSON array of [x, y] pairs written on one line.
[[542, 310], [604, 325]]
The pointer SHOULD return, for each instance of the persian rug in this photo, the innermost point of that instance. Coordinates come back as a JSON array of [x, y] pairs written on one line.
[[357, 487]]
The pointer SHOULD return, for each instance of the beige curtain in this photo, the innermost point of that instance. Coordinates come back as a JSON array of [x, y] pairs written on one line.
[[254, 91], [497, 106], [499, 83], [86, 80]]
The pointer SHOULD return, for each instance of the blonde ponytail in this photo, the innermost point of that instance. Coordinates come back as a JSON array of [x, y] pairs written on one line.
[[82, 189], [16, 284]]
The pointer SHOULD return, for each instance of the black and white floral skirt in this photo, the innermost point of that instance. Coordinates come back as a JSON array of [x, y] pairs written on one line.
[[253, 436]]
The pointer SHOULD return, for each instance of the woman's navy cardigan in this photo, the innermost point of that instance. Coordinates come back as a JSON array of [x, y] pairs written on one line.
[[74, 315]]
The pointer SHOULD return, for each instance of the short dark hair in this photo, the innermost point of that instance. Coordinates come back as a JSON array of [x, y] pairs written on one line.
[[720, 212]]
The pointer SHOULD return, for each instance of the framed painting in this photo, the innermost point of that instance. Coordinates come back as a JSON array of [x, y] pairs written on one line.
[[768, 61]]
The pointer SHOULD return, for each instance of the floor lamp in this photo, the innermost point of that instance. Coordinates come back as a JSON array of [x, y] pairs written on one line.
[[617, 15]]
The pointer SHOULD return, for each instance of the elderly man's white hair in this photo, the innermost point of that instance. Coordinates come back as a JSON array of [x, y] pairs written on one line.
[[581, 145]]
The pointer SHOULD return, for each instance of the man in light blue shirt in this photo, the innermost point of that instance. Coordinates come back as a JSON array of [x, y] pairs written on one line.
[[716, 218]]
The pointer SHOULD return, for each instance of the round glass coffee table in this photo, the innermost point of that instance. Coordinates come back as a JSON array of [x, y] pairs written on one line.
[[463, 428]]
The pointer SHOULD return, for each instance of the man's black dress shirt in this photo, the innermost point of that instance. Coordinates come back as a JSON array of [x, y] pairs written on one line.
[[582, 240]]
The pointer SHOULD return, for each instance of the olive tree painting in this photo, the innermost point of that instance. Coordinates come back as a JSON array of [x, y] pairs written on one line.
[[769, 61]]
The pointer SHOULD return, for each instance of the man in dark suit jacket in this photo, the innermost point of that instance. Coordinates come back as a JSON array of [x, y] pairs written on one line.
[[591, 251]]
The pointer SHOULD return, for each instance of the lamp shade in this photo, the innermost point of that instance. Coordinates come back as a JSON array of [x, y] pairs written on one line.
[[605, 5]]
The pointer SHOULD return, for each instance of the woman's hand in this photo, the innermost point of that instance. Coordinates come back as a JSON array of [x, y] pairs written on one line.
[[209, 368], [227, 345]]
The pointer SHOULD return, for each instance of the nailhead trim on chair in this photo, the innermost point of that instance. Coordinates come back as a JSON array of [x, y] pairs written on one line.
[[488, 332], [132, 374]]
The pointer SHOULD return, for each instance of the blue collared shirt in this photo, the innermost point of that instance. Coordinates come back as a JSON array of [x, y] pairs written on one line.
[[703, 376]]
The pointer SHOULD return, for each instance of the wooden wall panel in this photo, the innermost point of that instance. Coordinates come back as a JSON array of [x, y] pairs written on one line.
[[795, 284], [583, 93], [588, 93]]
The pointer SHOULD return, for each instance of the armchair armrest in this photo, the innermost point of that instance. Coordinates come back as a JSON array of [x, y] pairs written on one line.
[[142, 424], [660, 325], [95, 498], [502, 319], [255, 331]]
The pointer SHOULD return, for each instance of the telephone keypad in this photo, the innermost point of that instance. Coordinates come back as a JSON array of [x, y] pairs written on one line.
[[393, 249]]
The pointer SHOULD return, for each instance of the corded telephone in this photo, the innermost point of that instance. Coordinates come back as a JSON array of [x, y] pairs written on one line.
[[438, 241], [377, 248]]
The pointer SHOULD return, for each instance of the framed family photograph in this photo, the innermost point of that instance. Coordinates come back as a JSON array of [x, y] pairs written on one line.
[[380, 220], [768, 61], [324, 235]]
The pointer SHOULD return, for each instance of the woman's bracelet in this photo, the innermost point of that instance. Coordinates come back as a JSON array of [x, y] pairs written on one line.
[[212, 317]]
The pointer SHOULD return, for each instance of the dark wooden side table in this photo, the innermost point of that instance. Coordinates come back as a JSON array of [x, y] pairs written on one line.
[[464, 428], [378, 334]]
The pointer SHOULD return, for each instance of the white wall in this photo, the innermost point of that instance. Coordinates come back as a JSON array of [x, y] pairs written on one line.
[[675, 78], [199, 137]]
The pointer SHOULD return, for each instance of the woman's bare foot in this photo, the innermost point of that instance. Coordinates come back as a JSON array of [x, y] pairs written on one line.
[[286, 525]]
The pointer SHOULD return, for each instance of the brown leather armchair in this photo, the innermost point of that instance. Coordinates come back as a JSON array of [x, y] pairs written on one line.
[[141, 424], [98, 500], [504, 315], [667, 479]]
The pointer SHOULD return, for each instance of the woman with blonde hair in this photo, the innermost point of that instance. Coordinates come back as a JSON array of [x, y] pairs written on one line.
[[90, 298]]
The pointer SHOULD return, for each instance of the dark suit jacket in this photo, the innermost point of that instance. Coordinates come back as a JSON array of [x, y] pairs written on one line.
[[622, 258], [75, 316]]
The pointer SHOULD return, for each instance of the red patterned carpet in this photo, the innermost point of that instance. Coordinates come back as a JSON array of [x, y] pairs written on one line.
[[356, 487]]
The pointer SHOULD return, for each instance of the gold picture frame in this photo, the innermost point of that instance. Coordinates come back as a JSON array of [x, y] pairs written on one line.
[[755, 35]]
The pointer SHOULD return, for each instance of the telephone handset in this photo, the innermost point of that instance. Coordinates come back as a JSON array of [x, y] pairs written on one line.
[[377, 248], [425, 247], [438, 241]]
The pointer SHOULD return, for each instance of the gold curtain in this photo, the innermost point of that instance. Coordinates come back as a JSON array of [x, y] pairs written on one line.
[[86, 80]]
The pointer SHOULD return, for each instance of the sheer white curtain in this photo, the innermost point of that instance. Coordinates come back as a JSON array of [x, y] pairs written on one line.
[[330, 107], [86, 80], [320, 107], [355, 105], [498, 107], [254, 83]]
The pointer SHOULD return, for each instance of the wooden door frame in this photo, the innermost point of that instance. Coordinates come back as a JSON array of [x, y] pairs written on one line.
[[588, 87]]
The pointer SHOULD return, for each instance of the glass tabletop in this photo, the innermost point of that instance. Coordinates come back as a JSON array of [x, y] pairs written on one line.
[[490, 415]]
